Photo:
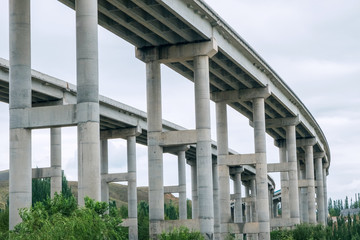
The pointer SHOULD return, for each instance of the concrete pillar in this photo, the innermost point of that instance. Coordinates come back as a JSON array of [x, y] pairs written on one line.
[[55, 155], [224, 177], [293, 173], [309, 159], [284, 178], [247, 204], [320, 191], [104, 170], [203, 146], [304, 199], [254, 217], [88, 100], [262, 198], [238, 214], [271, 211], [182, 184], [217, 217], [194, 196], [155, 152], [132, 190], [325, 194], [20, 173]]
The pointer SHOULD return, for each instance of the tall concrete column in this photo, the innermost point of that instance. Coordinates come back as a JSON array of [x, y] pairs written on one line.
[[325, 194], [262, 198], [320, 191], [194, 196], [132, 190], [88, 100], [293, 173], [104, 169], [238, 213], [155, 152], [247, 204], [224, 177], [217, 218], [20, 173], [182, 185], [254, 216], [203, 146], [309, 159], [304, 198], [55, 155], [284, 178]]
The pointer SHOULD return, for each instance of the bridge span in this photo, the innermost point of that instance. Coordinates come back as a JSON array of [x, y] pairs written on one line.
[[190, 38]]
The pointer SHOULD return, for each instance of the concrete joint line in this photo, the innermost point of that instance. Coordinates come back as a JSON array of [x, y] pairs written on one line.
[[175, 189], [87, 112]]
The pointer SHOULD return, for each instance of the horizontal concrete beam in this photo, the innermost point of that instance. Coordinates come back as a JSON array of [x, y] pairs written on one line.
[[283, 222], [173, 138], [281, 167], [304, 183], [44, 117], [177, 53], [247, 199], [282, 122], [319, 154], [176, 149], [237, 160], [121, 133], [175, 189], [118, 177], [169, 225], [249, 227], [241, 95], [129, 222], [305, 142], [36, 173]]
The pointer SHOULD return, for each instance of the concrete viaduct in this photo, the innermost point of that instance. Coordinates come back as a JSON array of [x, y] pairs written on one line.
[[190, 38]]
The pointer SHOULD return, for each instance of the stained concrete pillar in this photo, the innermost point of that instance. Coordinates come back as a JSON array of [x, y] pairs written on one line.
[[284, 178], [89, 182], [155, 152], [238, 213], [55, 155], [262, 198], [104, 170], [320, 191], [293, 173], [203, 146], [254, 217], [304, 198], [217, 218], [224, 177], [20, 173], [194, 196], [132, 189], [325, 194], [182, 185], [247, 204], [309, 159]]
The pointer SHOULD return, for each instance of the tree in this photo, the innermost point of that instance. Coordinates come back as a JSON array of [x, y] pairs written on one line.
[[346, 202], [143, 220]]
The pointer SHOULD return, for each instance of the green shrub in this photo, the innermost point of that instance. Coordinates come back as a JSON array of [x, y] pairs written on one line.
[[181, 233]]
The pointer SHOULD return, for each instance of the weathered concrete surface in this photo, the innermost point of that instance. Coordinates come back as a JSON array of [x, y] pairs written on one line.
[[55, 155]]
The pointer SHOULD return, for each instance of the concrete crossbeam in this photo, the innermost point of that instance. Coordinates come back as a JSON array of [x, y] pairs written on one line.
[[183, 137], [177, 53], [238, 159], [281, 167], [174, 189], [120, 133], [35, 173], [305, 142], [176, 149], [118, 177], [246, 228], [241, 95], [282, 122]]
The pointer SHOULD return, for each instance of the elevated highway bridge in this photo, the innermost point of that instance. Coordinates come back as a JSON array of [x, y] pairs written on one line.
[[190, 38]]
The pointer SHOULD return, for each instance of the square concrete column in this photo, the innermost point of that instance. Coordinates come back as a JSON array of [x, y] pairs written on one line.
[[320, 191], [224, 177], [194, 196], [20, 173], [293, 173], [238, 213], [325, 194], [55, 154], [203, 146], [309, 159], [217, 219], [155, 151], [182, 185], [284, 178], [132, 188], [89, 182], [303, 197], [104, 170], [247, 204], [254, 216], [262, 198]]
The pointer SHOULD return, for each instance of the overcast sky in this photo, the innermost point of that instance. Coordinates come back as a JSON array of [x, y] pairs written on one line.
[[312, 45]]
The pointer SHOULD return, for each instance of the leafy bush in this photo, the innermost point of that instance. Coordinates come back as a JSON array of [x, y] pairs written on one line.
[[61, 218], [181, 233]]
